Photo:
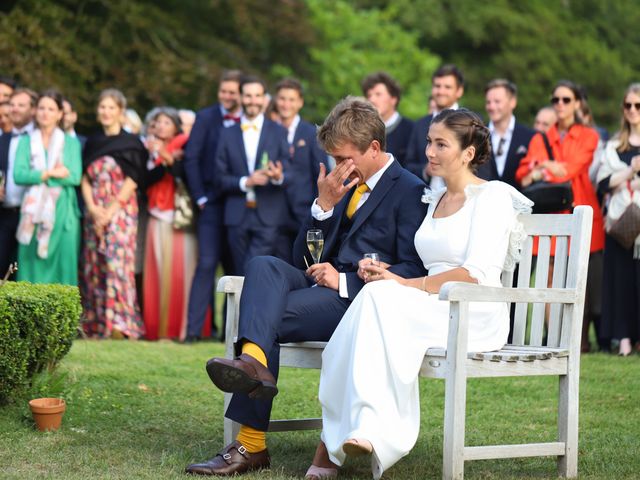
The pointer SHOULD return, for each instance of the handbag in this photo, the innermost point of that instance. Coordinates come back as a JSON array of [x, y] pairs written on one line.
[[549, 197], [626, 228], [183, 215]]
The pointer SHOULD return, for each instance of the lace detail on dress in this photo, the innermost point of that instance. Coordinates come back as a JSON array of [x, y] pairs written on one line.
[[521, 204], [432, 196]]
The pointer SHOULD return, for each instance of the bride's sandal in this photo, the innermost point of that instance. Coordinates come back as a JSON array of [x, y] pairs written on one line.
[[320, 473], [357, 446]]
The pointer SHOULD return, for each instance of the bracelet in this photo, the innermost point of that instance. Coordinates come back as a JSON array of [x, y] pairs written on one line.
[[424, 284]]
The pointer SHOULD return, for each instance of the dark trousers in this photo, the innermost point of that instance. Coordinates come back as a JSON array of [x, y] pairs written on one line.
[[9, 218], [250, 239], [211, 251], [279, 305]]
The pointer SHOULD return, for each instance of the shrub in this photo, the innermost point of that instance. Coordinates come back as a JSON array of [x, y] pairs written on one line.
[[37, 326]]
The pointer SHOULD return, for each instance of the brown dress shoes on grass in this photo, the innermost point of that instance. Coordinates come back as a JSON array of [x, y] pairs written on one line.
[[232, 460], [243, 374]]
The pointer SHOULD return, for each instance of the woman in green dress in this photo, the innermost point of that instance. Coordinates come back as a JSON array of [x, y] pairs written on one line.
[[50, 163]]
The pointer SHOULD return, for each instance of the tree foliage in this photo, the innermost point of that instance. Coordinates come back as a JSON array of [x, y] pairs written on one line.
[[171, 52]]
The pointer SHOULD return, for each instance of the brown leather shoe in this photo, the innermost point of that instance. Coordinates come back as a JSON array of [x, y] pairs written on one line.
[[232, 460], [243, 374]]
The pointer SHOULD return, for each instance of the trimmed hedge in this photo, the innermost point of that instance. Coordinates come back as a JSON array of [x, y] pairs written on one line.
[[37, 326]]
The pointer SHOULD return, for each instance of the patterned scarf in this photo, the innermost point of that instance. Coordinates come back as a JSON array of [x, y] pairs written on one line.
[[39, 202]]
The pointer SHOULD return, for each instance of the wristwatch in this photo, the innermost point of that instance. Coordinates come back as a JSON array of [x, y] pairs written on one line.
[[536, 175]]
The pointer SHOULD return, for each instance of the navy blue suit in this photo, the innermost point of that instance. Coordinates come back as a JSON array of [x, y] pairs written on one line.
[[199, 166], [9, 217], [252, 231], [517, 151], [416, 158], [277, 305], [302, 187], [398, 139]]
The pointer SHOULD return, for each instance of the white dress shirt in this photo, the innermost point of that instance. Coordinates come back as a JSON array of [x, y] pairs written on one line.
[[13, 193], [291, 131], [250, 139], [320, 215], [501, 160]]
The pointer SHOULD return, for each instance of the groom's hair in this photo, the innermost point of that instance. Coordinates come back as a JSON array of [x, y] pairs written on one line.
[[354, 120]]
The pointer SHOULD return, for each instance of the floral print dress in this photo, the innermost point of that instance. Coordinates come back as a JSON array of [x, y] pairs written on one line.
[[108, 288]]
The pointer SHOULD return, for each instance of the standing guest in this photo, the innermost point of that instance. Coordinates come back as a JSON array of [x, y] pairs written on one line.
[[23, 106], [618, 176], [170, 253], [199, 166], [49, 163], [509, 139], [369, 378], [383, 91], [447, 87], [69, 120], [7, 86], [5, 118], [306, 157], [187, 119], [114, 166], [573, 145], [251, 162], [286, 303], [545, 119]]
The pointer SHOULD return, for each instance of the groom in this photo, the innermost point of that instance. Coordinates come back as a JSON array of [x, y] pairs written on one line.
[[282, 303]]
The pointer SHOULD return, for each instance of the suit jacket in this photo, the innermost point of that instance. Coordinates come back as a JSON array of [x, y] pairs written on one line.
[[5, 142], [398, 140], [231, 165], [416, 158], [386, 223], [302, 187], [517, 151], [200, 153]]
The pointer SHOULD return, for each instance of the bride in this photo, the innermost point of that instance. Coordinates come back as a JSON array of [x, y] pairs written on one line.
[[369, 378]]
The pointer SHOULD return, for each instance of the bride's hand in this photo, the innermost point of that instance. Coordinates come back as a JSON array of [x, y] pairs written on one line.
[[373, 273], [365, 262]]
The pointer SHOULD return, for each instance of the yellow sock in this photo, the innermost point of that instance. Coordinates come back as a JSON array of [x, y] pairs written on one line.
[[255, 351], [253, 440]]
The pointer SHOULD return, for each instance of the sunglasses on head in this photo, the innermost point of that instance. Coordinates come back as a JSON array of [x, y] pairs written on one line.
[[565, 100], [628, 105]]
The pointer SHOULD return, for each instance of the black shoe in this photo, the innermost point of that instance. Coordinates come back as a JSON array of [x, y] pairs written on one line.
[[191, 339]]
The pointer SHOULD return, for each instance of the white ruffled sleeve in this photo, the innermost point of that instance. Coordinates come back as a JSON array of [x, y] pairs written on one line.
[[496, 236]]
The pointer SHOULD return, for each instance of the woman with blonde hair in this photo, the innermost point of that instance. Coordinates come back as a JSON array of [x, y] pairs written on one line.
[[114, 167], [618, 176]]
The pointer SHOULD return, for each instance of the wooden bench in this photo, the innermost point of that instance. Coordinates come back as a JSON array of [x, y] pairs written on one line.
[[535, 349]]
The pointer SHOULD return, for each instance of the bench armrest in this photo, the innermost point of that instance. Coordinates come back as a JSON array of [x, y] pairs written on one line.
[[230, 284], [472, 292]]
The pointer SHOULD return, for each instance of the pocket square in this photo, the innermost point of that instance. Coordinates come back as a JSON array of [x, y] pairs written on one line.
[[301, 143], [521, 149]]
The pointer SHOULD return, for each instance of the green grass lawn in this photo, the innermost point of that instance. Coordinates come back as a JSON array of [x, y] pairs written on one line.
[[145, 410]]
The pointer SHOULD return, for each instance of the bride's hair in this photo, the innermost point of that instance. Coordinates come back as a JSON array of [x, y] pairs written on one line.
[[470, 131]]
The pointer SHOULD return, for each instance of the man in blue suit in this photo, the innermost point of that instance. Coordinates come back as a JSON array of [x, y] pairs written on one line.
[[306, 157], [199, 166], [383, 91], [286, 303], [509, 139], [447, 86], [252, 173]]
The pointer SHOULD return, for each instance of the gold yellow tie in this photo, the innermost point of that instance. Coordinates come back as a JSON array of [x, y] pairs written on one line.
[[248, 126], [357, 195]]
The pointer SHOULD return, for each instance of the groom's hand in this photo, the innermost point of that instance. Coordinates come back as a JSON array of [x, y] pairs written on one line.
[[331, 187], [324, 275]]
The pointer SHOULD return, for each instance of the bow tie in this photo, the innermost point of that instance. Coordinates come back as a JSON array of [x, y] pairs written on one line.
[[248, 126], [228, 116], [18, 134]]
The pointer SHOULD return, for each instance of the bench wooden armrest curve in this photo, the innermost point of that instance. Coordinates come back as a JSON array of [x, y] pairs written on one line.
[[230, 284]]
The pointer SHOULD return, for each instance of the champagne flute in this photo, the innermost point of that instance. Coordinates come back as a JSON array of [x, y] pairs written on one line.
[[374, 259], [315, 244]]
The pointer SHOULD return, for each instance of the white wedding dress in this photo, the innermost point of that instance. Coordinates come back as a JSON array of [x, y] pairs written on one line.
[[369, 378]]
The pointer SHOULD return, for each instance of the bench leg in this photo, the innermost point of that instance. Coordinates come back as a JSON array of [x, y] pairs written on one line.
[[568, 424], [231, 428], [455, 399]]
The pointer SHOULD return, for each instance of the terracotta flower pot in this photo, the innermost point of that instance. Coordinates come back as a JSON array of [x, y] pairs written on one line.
[[47, 412]]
